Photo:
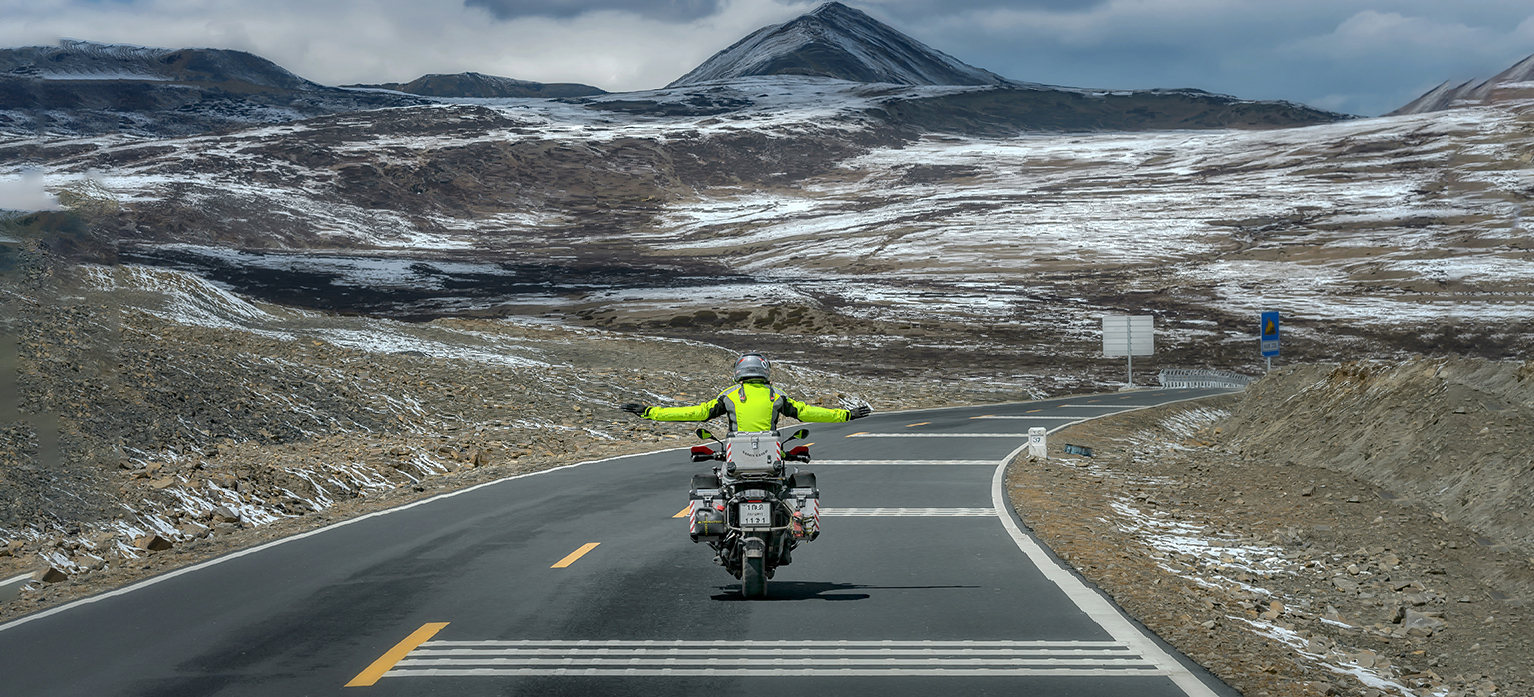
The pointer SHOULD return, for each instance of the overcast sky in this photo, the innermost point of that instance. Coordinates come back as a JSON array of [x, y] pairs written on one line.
[[1355, 56]]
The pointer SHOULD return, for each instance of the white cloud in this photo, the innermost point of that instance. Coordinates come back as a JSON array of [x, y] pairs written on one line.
[[25, 193], [1370, 33]]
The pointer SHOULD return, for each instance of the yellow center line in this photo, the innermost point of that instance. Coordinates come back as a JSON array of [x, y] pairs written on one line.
[[683, 514], [1030, 411], [393, 656], [919, 423], [577, 554], [972, 418], [859, 433]]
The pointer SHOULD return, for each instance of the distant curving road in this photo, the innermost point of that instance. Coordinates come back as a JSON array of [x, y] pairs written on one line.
[[582, 581]]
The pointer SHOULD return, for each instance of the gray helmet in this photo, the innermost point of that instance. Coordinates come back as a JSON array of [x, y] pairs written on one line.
[[751, 365]]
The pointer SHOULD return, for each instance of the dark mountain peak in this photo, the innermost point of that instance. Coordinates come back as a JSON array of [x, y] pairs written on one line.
[[83, 87], [1516, 82], [88, 60], [485, 86], [837, 41]]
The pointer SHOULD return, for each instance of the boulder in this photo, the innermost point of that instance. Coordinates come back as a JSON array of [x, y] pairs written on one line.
[[224, 515], [1420, 624], [152, 543], [191, 529], [50, 575]]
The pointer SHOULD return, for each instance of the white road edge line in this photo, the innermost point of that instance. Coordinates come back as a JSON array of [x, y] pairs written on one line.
[[236, 555], [1104, 613]]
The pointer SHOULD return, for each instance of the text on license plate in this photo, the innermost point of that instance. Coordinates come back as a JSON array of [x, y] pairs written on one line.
[[756, 514]]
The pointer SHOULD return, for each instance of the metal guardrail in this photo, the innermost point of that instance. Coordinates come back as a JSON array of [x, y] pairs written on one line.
[[1184, 378]]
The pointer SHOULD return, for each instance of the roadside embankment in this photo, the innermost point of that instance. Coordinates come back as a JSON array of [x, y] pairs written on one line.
[[1334, 530], [1451, 433]]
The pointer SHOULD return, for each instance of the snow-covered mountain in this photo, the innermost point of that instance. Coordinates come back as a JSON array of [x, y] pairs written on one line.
[[485, 87], [1516, 82], [839, 42]]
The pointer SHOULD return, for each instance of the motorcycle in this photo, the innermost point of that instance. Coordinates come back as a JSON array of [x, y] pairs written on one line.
[[752, 511]]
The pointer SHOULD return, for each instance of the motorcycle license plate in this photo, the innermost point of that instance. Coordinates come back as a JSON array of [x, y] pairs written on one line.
[[756, 514]]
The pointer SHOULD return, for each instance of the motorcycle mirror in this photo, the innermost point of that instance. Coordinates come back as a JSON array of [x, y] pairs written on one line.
[[801, 433], [704, 434]]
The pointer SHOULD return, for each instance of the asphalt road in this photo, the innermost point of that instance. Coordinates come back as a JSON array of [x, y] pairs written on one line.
[[921, 583]]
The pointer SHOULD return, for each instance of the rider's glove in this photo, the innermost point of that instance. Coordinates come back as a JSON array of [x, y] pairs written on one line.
[[635, 408], [858, 412]]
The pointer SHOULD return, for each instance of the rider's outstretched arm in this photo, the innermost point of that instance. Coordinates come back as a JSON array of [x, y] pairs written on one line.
[[697, 412], [810, 412]]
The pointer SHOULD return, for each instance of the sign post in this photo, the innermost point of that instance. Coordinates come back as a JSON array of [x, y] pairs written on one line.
[[1269, 332], [1129, 336]]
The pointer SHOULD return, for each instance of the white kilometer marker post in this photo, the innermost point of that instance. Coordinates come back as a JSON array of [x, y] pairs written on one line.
[[1037, 442]]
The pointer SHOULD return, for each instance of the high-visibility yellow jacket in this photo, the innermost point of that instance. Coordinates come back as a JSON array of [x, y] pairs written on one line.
[[750, 406]]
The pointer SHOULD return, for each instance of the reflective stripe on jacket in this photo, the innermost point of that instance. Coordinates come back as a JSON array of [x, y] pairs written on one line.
[[750, 406]]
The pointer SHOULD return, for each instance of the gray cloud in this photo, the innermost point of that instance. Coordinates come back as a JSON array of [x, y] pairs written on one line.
[[1360, 56], [675, 11]]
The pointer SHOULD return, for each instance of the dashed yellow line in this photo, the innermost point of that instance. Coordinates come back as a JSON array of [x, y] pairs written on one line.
[[684, 513], [919, 423], [1030, 411], [859, 433], [577, 554], [982, 416], [393, 656]]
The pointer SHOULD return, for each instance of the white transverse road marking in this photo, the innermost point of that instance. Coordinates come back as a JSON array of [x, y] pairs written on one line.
[[990, 463], [987, 512], [938, 435], [773, 658]]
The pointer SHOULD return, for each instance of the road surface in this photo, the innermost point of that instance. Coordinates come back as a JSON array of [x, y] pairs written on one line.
[[582, 581]]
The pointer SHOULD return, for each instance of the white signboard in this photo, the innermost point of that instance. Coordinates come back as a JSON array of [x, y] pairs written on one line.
[[1128, 335], [1038, 443]]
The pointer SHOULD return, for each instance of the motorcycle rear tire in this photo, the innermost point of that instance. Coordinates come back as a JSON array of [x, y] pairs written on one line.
[[753, 577]]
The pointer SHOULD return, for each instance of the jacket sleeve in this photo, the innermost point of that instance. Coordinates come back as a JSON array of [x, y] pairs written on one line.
[[697, 412], [807, 412]]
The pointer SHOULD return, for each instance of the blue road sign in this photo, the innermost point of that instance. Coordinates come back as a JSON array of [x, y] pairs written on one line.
[[1269, 331]]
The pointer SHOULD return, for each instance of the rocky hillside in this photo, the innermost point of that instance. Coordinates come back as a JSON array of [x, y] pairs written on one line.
[[148, 411]]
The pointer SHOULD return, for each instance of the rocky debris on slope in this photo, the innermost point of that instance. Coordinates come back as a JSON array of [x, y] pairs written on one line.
[[1514, 84], [1450, 433], [484, 87], [191, 422], [1283, 577]]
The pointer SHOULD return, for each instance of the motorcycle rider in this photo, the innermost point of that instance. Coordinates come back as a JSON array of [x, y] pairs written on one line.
[[752, 403]]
